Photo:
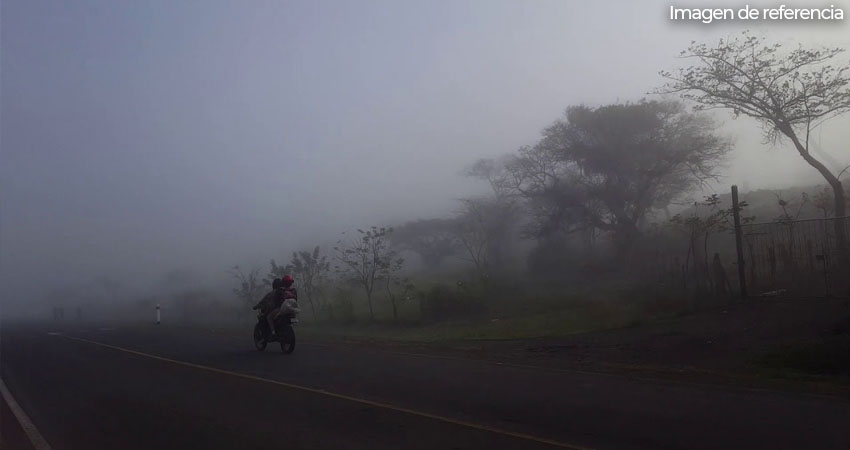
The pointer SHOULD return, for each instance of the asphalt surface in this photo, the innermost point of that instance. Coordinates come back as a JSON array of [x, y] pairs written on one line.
[[12, 435], [102, 387]]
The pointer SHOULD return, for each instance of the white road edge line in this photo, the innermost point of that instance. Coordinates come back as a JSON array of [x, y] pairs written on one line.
[[29, 428]]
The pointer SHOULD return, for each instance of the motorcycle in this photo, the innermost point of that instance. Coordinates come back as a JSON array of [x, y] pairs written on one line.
[[284, 332]]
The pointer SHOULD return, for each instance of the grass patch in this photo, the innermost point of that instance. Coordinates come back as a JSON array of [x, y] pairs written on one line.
[[830, 357], [549, 324], [501, 312]]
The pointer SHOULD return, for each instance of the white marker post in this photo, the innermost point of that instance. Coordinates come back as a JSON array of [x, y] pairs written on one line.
[[157, 314]]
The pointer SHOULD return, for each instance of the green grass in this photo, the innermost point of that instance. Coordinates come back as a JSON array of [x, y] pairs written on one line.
[[548, 324], [509, 312]]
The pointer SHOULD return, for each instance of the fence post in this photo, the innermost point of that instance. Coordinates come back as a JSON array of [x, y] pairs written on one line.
[[739, 245]]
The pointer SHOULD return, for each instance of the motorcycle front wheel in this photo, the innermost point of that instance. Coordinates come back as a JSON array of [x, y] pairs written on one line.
[[259, 338], [287, 339]]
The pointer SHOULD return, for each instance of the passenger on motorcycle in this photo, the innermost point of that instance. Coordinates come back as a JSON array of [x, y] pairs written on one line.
[[290, 296], [282, 299]]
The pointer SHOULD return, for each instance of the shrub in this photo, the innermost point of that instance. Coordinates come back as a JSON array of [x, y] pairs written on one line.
[[443, 302], [341, 308]]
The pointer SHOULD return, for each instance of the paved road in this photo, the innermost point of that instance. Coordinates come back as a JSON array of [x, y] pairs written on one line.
[[12, 434], [98, 387]]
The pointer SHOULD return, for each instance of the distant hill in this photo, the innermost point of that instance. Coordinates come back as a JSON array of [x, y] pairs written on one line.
[[800, 203]]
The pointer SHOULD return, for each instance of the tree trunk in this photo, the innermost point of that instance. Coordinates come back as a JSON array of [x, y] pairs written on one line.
[[312, 307], [705, 257], [837, 190], [392, 300], [840, 220], [686, 266], [624, 236], [369, 300]]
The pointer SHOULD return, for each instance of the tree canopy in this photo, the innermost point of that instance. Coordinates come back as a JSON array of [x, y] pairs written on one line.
[[789, 92], [606, 167]]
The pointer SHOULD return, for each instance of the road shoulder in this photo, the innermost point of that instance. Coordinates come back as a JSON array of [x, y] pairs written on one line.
[[13, 420]]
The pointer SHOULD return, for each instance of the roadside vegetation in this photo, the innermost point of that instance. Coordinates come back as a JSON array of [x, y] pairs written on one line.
[[599, 224]]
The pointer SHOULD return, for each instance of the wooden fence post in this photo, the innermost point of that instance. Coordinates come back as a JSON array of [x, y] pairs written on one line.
[[739, 245]]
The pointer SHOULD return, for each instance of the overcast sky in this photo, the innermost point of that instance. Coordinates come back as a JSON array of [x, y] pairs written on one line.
[[144, 136]]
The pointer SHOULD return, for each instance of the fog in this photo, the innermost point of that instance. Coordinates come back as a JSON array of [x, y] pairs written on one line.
[[139, 138]]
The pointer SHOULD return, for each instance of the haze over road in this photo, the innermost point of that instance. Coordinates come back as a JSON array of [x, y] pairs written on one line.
[[146, 387]]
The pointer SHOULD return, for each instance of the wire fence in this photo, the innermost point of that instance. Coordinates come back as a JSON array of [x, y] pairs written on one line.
[[797, 257]]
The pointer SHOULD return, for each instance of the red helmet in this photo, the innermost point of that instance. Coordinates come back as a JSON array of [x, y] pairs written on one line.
[[288, 280]]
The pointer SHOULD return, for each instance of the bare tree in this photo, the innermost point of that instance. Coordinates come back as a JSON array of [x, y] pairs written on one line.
[[277, 271], [702, 226], [483, 228], [364, 258], [789, 93], [390, 272], [250, 286], [495, 172], [310, 270], [472, 234], [822, 201]]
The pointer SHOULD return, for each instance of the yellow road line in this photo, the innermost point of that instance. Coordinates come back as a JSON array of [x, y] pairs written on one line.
[[375, 404]]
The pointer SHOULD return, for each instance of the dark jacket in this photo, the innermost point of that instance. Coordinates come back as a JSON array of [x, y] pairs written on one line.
[[270, 301]]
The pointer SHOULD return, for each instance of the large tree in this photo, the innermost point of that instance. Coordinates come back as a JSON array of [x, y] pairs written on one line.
[[432, 239], [606, 167], [789, 92]]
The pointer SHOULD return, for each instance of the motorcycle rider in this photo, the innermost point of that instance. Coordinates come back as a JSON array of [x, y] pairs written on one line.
[[282, 298], [271, 302]]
